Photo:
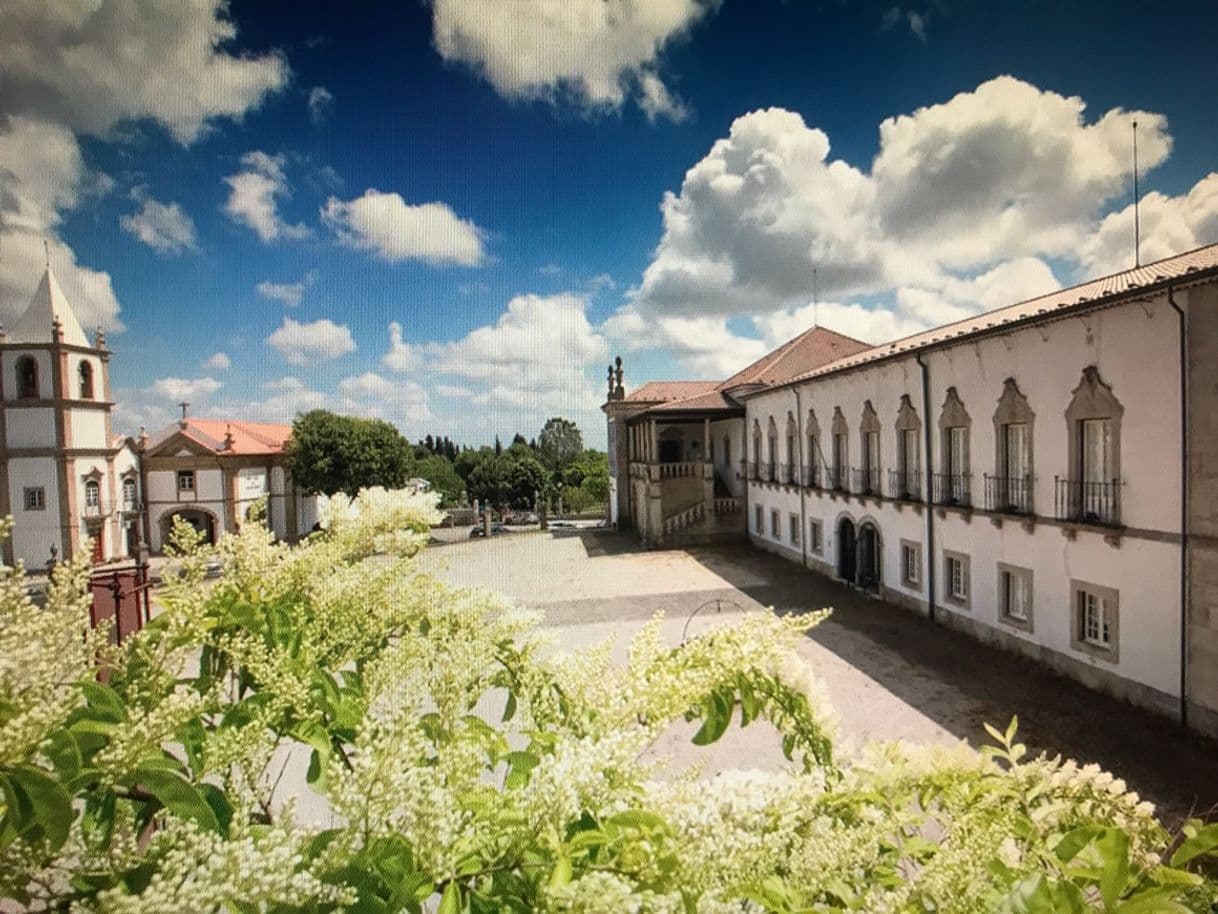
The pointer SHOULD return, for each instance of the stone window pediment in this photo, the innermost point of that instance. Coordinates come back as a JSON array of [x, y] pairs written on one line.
[[907, 416], [840, 427], [870, 421]]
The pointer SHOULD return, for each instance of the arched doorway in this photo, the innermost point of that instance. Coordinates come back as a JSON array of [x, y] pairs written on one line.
[[868, 556], [846, 555], [202, 521]]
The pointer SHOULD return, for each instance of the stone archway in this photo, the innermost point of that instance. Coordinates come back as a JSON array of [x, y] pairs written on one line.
[[868, 561], [203, 521], [847, 554]]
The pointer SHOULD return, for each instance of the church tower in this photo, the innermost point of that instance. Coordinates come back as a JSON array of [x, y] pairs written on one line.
[[57, 454]]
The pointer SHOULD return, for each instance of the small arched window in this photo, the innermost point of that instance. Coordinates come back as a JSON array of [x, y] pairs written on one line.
[[27, 377], [129, 495], [86, 380], [92, 494]]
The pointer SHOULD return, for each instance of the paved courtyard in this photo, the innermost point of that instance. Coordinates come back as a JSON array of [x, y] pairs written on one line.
[[889, 674]]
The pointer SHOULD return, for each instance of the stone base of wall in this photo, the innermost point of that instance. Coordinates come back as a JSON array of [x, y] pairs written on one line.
[[1203, 719]]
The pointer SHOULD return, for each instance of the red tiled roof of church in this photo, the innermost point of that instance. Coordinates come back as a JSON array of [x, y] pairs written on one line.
[[810, 350], [249, 438]]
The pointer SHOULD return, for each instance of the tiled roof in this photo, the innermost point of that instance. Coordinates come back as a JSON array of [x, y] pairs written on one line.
[[248, 438], [1094, 291], [810, 350], [663, 391], [711, 400]]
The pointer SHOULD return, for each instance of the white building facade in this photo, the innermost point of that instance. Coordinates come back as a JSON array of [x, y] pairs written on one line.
[[1042, 476]]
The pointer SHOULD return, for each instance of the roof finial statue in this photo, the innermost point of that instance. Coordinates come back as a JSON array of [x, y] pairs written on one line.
[[56, 330], [182, 421], [618, 362], [46, 249], [142, 440], [99, 338], [229, 441], [611, 380]]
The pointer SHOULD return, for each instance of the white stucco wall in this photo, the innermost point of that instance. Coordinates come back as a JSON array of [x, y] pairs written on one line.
[[1134, 349], [30, 427], [41, 357], [88, 428], [34, 532]]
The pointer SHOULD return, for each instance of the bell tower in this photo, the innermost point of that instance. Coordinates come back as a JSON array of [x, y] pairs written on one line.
[[57, 475]]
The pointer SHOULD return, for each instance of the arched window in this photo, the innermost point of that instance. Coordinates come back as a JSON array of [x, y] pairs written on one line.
[[27, 377], [1092, 492], [812, 459], [908, 481], [869, 436], [841, 450], [953, 483], [790, 472], [86, 380], [129, 500], [92, 494], [772, 449], [1011, 488], [756, 468]]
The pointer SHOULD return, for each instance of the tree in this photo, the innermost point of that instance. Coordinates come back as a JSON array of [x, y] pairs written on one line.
[[559, 443], [154, 788], [331, 453], [508, 480], [468, 459], [443, 478], [526, 478], [429, 443], [498, 446], [518, 441]]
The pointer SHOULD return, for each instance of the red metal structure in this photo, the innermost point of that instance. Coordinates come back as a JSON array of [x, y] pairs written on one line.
[[121, 594]]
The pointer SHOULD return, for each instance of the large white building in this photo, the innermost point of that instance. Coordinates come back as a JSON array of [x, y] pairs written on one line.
[[68, 480], [1043, 476]]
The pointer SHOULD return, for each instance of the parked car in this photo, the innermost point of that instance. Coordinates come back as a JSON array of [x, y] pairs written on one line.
[[496, 530]]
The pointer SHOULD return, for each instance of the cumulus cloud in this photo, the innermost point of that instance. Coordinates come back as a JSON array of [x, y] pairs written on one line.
[[254, 196], [321, 100], [596, 53], [218, 362], [289, 293], [83, 68], [373, 395], [395, 230], [960, 211], [535, 361], [402, 356], [164, 227], [190, 389], [304, 344]]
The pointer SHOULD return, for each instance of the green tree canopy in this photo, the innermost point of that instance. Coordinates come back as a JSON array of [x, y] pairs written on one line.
[[511, 479], [331, 453], [444, 479], [559, 444]]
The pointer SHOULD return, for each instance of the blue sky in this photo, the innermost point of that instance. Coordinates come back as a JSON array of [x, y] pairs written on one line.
[[452, 214]]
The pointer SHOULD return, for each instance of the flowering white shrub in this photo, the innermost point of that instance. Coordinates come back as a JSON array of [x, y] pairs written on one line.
[[467, 769]]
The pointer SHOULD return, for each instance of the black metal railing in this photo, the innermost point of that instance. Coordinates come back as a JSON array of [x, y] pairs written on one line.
[[866, 480], [767, 471], [905, 485], [749, 469], [1008, 494], [953, 489], [1086, 502], [812, 476], [839, 478], [786, 473]]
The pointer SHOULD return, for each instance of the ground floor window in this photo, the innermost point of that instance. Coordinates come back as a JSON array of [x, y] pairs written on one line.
[[911, 564], [816, 535], [775, 530], [1096, 620], [795, 527], [1015, 595], [955, 575], [35, 498], [758, 527]]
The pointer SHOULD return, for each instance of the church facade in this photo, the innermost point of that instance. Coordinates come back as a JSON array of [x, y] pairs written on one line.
[[69, 482], [1041, 476]]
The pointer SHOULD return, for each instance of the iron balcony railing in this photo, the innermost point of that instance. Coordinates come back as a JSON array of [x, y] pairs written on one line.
[[767, 472], [1008, 494], [953, 489], [749, 469], [786, 473], [866, 480], [1086, 502], [839, 478], [905, 485], [812, 476]]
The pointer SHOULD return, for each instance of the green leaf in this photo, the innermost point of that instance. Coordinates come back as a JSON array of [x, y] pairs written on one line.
[[509, 710], [561, 874], [177, 795], [450, 900], [97, 824], [718, 714], [104, 700], [520, 765], [1072, 842], [1202, 841], [45, 807], [1113, 846], [1155, 901]]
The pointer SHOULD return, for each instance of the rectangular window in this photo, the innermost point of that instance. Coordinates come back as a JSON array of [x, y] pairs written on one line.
[[775, 532], [795, 527], [909, 454], [1097, 450], [92, 495], [1016, 443], [955, 575], [911, 563], [1096, 620], [758, 526], [186, 480], [35, 498], [817, 535], [129, 494], [956, 437], [1015, 595], [840, 457]]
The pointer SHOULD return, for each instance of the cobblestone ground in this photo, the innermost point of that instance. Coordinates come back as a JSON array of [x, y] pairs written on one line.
[[889, 674]]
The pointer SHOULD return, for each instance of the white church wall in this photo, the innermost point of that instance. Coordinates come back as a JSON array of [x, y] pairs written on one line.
[[42, 359], [727, 461], [88, 428], [30, 427], [34, 532]]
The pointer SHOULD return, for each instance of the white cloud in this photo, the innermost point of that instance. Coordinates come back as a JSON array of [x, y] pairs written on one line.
[[286, 398], [254, 196], [401, 356], [175, 390], [90, 66], [594, 52], [534, 362], [321, 101], [303, 344], [549, 269], [375, 396], [164, 227], [289, 293], [395, 230], [218, 362]]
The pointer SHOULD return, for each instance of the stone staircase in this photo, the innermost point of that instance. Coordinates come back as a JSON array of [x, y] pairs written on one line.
[[720, 521]]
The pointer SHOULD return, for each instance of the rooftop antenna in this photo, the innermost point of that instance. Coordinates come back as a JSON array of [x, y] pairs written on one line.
[[815, 301], [182, 421], [1137, 227], [46, 249]]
